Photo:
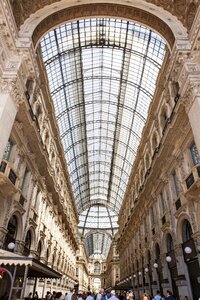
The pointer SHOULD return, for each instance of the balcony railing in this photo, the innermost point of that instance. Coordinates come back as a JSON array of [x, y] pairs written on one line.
[[8, 177], [192, 181]]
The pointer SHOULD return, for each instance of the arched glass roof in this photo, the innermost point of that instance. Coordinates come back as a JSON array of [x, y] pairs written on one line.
[[98, 245], [98, 217], [102, 74]]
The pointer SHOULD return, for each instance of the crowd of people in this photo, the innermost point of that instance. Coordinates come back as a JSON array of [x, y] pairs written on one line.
[[102, 295]]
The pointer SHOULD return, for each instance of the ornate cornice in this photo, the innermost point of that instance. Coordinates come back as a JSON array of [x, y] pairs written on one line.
[[193, 90], [183, 10], [109, 10]]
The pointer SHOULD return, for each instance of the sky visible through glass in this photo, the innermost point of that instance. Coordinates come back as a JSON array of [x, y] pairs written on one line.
[[102, 75]]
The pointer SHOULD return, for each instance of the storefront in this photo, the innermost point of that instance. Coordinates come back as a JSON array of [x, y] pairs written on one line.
[[16, 269]]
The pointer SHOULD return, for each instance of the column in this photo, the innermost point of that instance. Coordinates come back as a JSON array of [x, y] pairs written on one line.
[[194, 111], [8, 111]]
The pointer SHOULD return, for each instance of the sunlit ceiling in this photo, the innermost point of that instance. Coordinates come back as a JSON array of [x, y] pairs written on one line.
[[102, 75]]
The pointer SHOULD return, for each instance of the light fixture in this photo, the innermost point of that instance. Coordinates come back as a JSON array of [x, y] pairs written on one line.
[[139, 273], [146, 270], [168, 258], [188, 250], [11, 246], [134, 275], [155, 265], [130, 277]]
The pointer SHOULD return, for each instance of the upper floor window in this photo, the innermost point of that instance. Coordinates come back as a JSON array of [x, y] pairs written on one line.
[[169, 243], [152, 216], [7, 151], [186, 231], [162, 204], [175, 182], [97, 267], [25, 181], [194, 154]]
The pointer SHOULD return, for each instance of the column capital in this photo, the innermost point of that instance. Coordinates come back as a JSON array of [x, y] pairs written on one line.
[[11, 86], [192, 91]]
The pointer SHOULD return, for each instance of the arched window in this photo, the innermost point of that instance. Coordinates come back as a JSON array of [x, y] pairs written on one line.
[[157, 249], [152, 216], [12, 231], [169, 243], [186, 231], [27, 245], [39, 249], [97, 267], [25, 181], [47, 254], [162, 204]]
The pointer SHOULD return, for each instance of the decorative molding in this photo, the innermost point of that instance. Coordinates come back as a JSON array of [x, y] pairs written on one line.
[[11, 86], [102, 9]]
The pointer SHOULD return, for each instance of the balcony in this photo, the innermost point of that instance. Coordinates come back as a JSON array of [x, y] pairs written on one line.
[[8, 178], [192, 182]]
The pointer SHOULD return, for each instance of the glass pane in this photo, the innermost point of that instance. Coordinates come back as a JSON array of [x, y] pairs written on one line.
[[102, 75]]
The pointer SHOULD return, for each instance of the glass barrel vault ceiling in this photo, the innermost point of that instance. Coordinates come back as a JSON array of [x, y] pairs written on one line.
[[102, 75]]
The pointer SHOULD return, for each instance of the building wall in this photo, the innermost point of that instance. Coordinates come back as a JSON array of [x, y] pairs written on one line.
[[160, 213], [163, 191], [37, 209]]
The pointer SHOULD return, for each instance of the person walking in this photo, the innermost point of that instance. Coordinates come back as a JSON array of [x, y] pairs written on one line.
[[89, 296], [69, 295], [158, 296], [113, 296], [169, 295]]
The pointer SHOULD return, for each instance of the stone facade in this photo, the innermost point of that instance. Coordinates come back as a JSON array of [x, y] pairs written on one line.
[[159, 216]]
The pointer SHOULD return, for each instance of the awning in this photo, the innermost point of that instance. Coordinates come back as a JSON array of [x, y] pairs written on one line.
[[35, 267]]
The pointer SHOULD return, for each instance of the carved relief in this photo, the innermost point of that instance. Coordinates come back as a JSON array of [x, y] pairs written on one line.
[[22, 9], [10, 86]]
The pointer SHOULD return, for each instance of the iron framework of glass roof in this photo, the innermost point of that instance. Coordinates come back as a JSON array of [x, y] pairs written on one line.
[[98, 217], [102, 74], [98, 245]]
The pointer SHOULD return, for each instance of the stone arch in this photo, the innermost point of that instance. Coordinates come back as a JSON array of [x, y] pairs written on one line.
[[179, 227], [14, 229], [29, 17], [164, 240], [191, 14], [104, 10], [40, 247], [17, 214], [33, 236]]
